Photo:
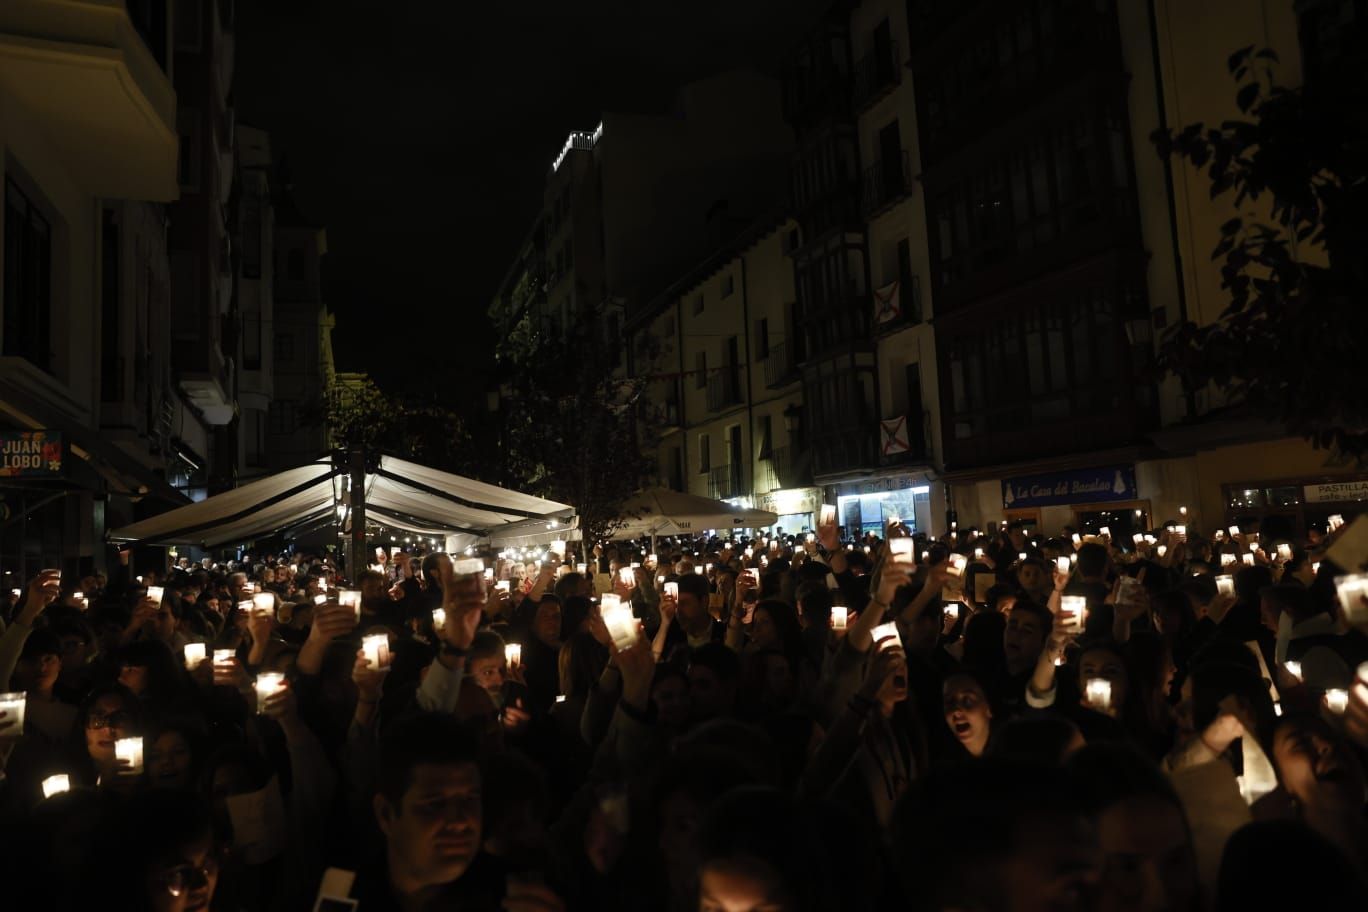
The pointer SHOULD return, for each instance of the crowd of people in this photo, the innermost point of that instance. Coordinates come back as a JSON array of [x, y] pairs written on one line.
[[982, 721]]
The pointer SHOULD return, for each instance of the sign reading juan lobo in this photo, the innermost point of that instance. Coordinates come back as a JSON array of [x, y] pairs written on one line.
[[30, 454], [1077, 486]]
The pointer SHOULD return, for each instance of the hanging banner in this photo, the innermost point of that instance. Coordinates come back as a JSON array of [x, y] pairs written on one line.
[[30, 454], [893, 436], [1077, 486], [887, 304]]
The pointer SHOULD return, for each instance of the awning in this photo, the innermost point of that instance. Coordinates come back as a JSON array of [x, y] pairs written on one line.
[[660, 511], [399, 494]]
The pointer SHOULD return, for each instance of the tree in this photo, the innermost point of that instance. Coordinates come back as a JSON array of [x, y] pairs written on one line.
[[572, 429], [1288, 342], [357, 414]]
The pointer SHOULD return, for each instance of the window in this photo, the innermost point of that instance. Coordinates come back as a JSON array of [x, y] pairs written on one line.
[[762, 343], [728, 286], [188, 163], [701, 370], [283, 419], [766, 436], [28, 279], [704, 454], [294, 265], [255, 437], [284, 348], [698, 305]]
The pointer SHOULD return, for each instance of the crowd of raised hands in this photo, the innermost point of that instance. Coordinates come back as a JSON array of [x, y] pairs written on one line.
[[978, 721]]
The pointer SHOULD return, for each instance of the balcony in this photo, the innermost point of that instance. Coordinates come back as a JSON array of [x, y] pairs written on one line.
[[850, 449], [92, 85], [876, 74], [724, 482], [723, 390], [781, 365], [792, 467], [885, 184]]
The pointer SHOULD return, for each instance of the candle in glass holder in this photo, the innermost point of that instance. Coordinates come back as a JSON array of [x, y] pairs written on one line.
[[513, 654], [1234, 531], [901, 547], [12, 704], [1022, 555], [263, 603], [1228, 559], [1352, 590], [156, 592], [1098, 694], [621, 625], [246, 607], [698, 569], [1161, 550], [957, 564], [194, 655], [1077, 539], [130, 750], [224, 656], [978, 554], [628, 576], [502, 586], [320, 599], [581, 569], [1284, 552], [886, 636], [268, 683], [1062, 564], [438, 618], [1293, 668], [672, 590], [1248, 559], [376, 650], [1105, 530], [1073, 611], [350, 598], [839, 617], [1138, 538], [55, 785], [1180, 530], [1225, 584], [1337, 699]]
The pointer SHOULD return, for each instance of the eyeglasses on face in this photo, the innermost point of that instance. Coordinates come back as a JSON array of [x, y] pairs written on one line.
[[116, 719], [183, 878]]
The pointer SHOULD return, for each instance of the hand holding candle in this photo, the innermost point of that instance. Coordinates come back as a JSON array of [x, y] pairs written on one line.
[[377, 651]]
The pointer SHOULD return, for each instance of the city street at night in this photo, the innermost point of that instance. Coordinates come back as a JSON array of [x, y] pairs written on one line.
[[765, 456]]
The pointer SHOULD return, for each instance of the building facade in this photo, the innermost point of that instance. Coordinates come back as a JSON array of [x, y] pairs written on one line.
[[87, 125], [254, 246]]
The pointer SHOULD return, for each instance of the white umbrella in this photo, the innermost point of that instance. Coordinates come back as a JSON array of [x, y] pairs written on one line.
[[660, 511]]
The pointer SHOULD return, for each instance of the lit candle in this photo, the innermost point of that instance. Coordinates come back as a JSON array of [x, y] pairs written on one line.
[[438, 618], [513, 654], [621, 625], [1180, 530], [1337, 699], [502, 586], [350, 598], [1228, 559], [12, 705], [1225, 584], [886, 636], [264, 603], [131, 751], [1161, 550], [672, 591], [1077, 539], [194, 655], [978, 554], [1234, 531], [581, 568], [1105, 530], [1073, 610], [320, 599], [1253, 546], [560, 698], [957, 564], [1285, 552], [224, 656], [1062, 564], [1098, 693], [628, 576], [376, 650], [156, 592], [1293, 668], [55, 785], [1248, 559], [1022, 555], [1138, 538], [839, 616], [1352, 590], [268, 683], [1182, 511], [698, 569]]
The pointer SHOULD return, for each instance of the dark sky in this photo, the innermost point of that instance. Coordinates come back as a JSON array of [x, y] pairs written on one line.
[[420, 132]]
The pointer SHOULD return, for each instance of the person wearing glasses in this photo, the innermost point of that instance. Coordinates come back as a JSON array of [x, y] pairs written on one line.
[[110, 712]]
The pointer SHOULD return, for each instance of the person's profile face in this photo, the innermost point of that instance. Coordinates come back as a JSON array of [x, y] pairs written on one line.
[[134, 677], [1314, 766], [184, 883]]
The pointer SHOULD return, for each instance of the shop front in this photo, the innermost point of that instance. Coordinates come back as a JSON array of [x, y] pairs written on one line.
[[1086, 500], [1286, 508], [865, 507], [796, 508]]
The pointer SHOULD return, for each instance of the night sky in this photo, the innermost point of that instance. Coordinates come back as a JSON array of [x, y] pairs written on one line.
[[419, 133]]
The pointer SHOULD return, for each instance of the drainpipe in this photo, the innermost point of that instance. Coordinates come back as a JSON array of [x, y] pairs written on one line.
[[1190, 398]]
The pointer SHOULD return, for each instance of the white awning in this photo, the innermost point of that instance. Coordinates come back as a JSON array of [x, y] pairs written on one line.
[[399, 494], [660, 511]]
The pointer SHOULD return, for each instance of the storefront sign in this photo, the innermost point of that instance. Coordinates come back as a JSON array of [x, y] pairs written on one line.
[[790, 501], [30, 454], [1078, 486], [1337, 491]]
